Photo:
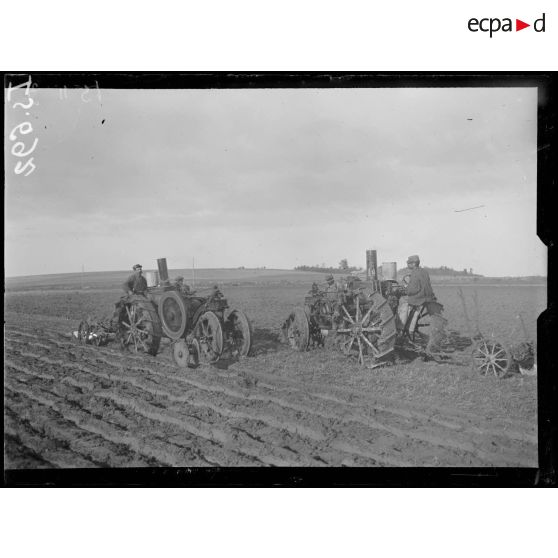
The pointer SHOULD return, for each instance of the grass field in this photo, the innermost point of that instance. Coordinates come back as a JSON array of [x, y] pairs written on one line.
[[76, 406]]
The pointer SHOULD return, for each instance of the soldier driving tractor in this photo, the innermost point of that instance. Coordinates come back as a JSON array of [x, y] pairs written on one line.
[[368, 318], [199, 328]]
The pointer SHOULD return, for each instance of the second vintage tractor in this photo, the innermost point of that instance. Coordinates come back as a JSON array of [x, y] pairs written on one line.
[[201, 329], [367, 319]]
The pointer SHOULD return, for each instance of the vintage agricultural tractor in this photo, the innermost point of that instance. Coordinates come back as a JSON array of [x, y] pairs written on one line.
[[200, 328], [367, 319]]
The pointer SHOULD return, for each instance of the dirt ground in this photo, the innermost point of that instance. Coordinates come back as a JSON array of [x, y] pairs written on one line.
[[69, 406]]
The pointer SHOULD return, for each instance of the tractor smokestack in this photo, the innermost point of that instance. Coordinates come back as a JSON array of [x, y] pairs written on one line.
[[371, 265], [163, 271], [389, 271]]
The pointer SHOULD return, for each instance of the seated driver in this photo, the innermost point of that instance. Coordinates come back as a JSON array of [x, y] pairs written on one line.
[[182, 287], [419, 290], [136, 283]]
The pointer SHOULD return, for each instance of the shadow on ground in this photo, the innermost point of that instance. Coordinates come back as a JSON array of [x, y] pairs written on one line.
[[266, 341]]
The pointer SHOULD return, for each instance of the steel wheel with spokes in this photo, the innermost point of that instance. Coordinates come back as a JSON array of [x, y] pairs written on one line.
[[139, 327], [367, 330], [490, 357]]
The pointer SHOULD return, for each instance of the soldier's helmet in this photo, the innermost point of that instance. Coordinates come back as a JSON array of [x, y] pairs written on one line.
[[179, 279], [329, 278], [136, 267], [413, 259]]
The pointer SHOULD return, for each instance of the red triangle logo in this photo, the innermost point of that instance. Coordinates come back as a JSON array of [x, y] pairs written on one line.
[[519, 25]]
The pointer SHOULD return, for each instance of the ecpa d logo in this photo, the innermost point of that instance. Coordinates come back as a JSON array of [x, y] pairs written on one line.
[[492, 25]]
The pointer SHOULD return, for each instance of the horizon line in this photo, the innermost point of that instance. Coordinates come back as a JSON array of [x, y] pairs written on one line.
[[240, 268]]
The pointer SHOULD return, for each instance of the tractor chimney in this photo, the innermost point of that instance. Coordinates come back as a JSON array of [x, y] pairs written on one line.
[[163, 271], [371, 265]]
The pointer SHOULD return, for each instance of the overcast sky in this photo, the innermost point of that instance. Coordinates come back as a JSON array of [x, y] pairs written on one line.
[[275, 178]]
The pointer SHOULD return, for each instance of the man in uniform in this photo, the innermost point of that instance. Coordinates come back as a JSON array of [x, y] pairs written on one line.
[[419, 292], [331, 286], [419, 289], [181, 286], [136, 283], [335, 298]]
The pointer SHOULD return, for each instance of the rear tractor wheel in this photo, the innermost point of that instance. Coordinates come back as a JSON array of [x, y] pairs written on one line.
[[139, 328], [296, 329], [367, 330]]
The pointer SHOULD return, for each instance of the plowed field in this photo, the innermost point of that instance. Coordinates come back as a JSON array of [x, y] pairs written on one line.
[[68, 405]]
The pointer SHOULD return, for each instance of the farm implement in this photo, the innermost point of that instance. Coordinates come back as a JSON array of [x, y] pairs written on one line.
[[491, 355], [201, 329]]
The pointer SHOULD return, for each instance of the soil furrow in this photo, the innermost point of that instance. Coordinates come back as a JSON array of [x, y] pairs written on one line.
[[440, 439], [144, 439], [493, 457], [83, 420], [39, 443], [343, 395], [112, 408], [53, 424]]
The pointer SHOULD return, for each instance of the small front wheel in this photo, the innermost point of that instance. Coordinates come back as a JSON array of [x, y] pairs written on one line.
[[180, 353], [491, 357]]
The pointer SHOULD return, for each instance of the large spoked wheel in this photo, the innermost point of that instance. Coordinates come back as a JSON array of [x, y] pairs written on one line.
[[83, 333], [367, 330], [209, 335], [296, 330], [491, 357], [239, 333], [139, 327]]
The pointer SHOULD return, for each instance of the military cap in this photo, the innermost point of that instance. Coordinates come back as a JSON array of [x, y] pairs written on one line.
[[329, 277], [137, 266], [413, 259], [179, 278]]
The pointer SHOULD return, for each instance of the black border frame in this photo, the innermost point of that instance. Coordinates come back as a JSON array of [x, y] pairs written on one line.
[[544, 475]]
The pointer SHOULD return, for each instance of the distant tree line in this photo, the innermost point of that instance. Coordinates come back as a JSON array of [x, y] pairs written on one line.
[[321, 268], [444, 270]]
